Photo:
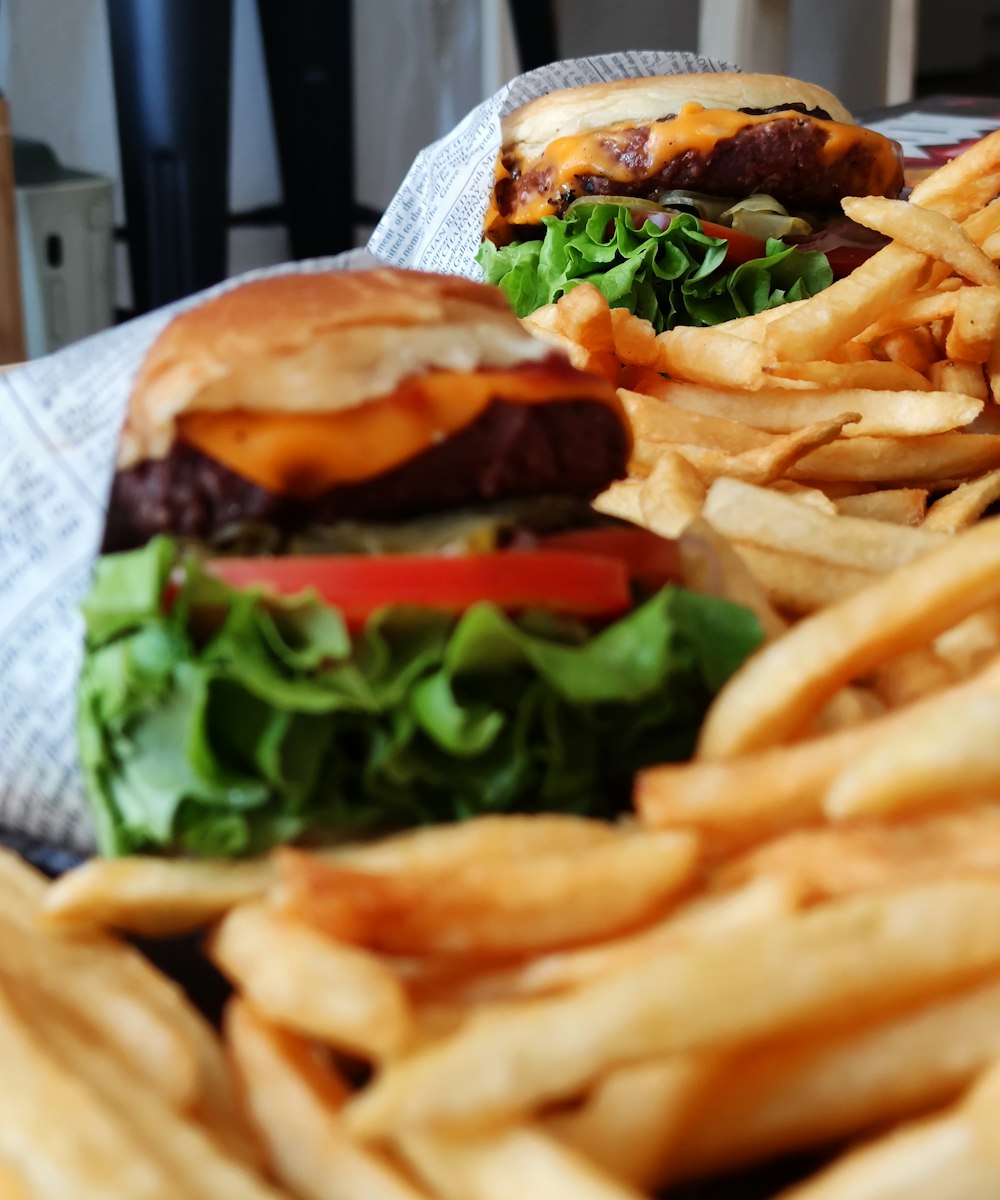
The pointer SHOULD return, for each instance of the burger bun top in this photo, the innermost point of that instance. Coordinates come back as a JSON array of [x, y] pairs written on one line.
[[571, 112], [317, 342]]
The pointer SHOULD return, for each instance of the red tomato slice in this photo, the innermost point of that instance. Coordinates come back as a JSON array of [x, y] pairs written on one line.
[[586, 585], [743, 247], [650, 560]]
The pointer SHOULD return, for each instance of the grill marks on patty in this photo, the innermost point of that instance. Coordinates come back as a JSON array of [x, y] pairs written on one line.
[[571, 447]]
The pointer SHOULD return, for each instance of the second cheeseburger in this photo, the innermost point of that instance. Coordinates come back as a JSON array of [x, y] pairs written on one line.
[[751, 157], [352, 580]]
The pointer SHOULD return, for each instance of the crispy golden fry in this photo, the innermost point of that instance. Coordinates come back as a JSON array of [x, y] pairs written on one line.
[[926, 231], [955, 756], [907, 461], [517, 1161], [671, 496], [467, 843], [924, 1160], [834, 316], [713, 356], [763, 517], [152, 895], [964, 506], [962, 378], [868, 953], [976, 325], [971, 644], [634, 339], [901, 506], [767, 463], [797, 584], [295, 1103], [745, 800], [335, 993], [806, 495], [695, 1115], [584, 316], [915, 312], [870, 374], [622, 499], [506, 906], [910, 676], [87, 1153], [965, 184], [912, 348], [777, 692], [881, 413], [630, 1123]]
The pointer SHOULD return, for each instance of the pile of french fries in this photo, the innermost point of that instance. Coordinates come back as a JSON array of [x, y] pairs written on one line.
[[793, 943], [832, 439]]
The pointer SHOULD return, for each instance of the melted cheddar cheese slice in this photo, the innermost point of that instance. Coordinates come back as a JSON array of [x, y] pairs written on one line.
[[614, 153], [305, 454]]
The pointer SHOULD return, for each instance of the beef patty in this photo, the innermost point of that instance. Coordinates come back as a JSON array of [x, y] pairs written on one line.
[[570, 447], [781, 158]]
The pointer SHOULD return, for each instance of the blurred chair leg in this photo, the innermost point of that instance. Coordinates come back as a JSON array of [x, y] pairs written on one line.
[[11, 315], [535, 32], [308, 49], [172, 68]]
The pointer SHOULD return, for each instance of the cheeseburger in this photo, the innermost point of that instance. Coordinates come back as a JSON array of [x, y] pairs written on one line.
[[591, 181], [351, 578]]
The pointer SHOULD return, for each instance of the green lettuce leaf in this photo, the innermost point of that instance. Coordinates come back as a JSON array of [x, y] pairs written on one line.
[[672, 276], [227, 724]]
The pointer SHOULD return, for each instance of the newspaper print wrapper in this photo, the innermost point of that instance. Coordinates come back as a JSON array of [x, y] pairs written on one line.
[[59, 423]]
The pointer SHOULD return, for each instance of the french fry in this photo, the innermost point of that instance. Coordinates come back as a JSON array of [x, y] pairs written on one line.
[[713, 356], [976, 325], [634, 339], [910, 676], [798, 584], [509, 906], [880, 952], [870, 374], [962, 378], [335, 993], [901, 506], [842, 311], [912, 348], [745, 800], [767, 463], [295, 1102], [914, 312], [925, 763], [584, 316], [525, 1159], [909, 461], [964, 184], [964, 506], [880, 413], [671, 496], [777, 692], [929, 232], [694, 1115], [152, 896], [622, 499], [764, 517]]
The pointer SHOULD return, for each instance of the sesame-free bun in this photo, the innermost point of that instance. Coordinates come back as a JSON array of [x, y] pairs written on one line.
[[573, 111], [316, 342]]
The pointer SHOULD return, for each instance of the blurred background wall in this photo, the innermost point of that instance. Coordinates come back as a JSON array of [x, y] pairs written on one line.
[[420, 65]]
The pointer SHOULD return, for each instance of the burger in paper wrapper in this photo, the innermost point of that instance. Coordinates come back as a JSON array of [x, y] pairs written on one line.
[[352, 580]]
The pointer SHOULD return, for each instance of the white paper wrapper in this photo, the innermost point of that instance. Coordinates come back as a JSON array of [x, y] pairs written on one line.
[[59, 424], [435, 220]]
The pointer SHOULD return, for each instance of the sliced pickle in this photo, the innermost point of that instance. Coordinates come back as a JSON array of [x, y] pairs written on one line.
[[709, 208]]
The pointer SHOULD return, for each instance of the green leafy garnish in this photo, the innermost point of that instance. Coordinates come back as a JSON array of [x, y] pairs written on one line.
[[224, 722], [672, 276]]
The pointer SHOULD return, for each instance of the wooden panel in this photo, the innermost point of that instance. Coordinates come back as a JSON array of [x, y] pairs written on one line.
[[11, 317]]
